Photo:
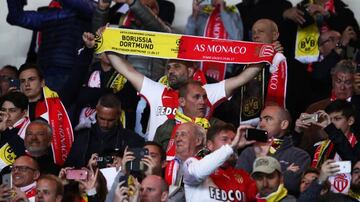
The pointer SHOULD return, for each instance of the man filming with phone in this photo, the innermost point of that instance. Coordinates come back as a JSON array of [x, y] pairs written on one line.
[[215, 173], [24, 173], [275, 120]]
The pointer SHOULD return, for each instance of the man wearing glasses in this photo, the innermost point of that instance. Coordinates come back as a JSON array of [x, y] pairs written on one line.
[[24, 174]]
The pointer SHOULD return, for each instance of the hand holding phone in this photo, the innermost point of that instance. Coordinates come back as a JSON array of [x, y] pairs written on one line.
[[136, 165], [344, 166], [7, 180], [76, 174], [256, 134]]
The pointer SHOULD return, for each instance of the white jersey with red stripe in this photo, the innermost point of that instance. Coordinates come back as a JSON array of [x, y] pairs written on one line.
[[205, 180], [154, 94]]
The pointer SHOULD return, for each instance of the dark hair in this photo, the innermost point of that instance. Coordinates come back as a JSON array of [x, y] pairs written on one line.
[[183, 90], [28, 66], [59, 185], [187, 63], [217, 128], [162, 152], [17, 98], [343, 106], [12, 68], [101, 187], [110, 101], [311, 170]]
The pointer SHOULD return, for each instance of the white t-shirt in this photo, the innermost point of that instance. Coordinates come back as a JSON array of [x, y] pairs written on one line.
[[153, 91]]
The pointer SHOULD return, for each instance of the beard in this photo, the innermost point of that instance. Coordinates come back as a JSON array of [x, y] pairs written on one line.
[[355, 187]]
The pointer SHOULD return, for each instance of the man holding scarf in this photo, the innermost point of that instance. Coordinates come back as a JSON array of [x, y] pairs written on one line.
[[163, 100], [193, 108], [46, 104], [206, 178]]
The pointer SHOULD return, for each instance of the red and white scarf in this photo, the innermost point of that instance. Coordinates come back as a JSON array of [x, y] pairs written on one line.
[[52, 110], [215, 29], [22, 124], [276, 91]]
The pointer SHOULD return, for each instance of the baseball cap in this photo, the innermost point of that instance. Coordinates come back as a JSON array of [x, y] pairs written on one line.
[[266, 164]]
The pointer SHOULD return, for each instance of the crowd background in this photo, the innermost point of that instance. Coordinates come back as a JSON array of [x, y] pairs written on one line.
[[23, 37]]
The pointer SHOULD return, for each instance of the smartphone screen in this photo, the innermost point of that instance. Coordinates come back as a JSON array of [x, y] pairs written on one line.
[[256, 134], [76, 174], [7, 180]]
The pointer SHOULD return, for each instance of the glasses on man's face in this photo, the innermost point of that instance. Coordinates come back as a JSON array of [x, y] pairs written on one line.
[[22, 169]]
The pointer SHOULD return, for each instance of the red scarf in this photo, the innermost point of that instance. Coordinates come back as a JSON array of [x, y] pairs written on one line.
[[171, 170], [215, 29], [276, 91], [22, 125], [325, 148], [52, 110]]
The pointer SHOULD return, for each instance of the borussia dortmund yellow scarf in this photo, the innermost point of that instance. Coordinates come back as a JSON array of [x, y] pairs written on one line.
[[274, 197]]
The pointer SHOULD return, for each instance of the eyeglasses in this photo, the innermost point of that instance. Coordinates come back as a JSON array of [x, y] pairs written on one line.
[[22, 169]]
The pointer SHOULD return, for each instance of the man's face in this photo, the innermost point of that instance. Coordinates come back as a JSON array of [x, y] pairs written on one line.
[[151, 189], [271, 122], [222, 138], [343, 85], [37, 138], [328, 42], [186, 141], [194, 102], [341, 122], [267, 183], [355, 178], [107, 118], [262, 32], [155, 154], [46, 191], [31, 85], [177, 73], [14, 113], [306, 181], [24, 172], [5, 76]]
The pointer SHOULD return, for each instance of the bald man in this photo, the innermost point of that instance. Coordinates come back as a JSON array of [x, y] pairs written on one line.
[[265, 31], [154, 189], [276, 121]]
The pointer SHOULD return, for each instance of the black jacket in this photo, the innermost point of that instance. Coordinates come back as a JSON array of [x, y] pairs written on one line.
[[93, 140]]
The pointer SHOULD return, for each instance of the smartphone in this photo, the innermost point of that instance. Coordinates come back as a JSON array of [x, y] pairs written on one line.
[[14, 83], [345, 166], [256, 134], [123, 178], [76, 174], [136, 165], [7, 180], [310, 118]]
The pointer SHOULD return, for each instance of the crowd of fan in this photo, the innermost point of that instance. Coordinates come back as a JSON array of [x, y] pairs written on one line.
[[74, 128]]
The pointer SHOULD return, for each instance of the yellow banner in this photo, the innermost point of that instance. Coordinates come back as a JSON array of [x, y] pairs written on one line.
[[136, 42], [7, 155], [306, 49]]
